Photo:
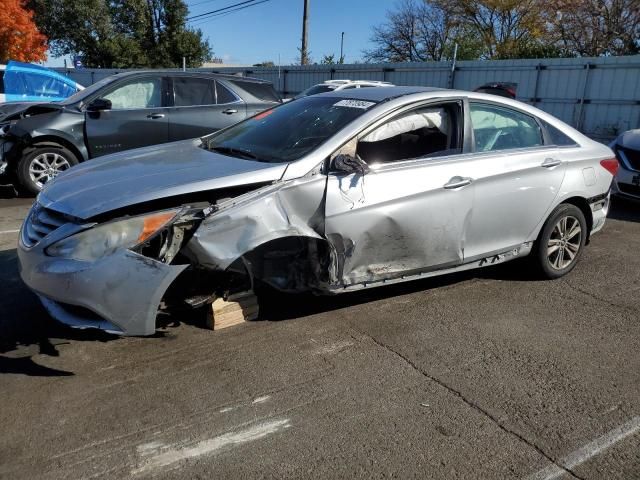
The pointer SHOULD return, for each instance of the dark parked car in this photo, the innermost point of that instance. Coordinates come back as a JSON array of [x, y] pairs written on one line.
[[121, 112], [502, 89]]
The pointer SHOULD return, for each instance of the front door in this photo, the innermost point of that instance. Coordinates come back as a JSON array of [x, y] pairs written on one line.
[[407, 214], [137, 118]]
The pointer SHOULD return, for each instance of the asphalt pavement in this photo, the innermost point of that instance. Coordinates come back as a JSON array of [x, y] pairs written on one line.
[[487, 374]]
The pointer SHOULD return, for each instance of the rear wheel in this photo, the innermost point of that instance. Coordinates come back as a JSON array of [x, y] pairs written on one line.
[[561, 241], [41, 165]]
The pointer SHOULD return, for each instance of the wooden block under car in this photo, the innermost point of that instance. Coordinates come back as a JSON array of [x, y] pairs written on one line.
[[238, 308]]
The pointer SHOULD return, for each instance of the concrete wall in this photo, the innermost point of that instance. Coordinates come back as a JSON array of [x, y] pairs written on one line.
[[599, 96]]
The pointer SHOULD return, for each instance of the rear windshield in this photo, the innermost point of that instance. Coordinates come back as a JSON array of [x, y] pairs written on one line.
[[317, 89], [287, 132], [261, 91]]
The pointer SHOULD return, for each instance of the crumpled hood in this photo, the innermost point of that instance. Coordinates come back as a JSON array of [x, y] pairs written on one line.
[[150, 173], [11, 109]]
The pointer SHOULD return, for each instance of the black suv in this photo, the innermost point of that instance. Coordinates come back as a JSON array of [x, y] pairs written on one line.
[[120, 112]]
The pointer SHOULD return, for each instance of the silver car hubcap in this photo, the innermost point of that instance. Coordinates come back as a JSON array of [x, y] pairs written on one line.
[[47, 166], [564, 243]]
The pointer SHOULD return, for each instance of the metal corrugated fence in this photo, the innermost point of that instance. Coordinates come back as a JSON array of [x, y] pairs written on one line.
[[599, 96]]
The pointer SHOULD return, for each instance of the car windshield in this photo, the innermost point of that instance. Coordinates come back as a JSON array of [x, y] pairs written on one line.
[[289, 131], [87, 92]]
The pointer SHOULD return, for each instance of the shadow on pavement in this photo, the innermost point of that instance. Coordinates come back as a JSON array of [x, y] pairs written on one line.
[[276, 306], [8, 191], [26, 329]]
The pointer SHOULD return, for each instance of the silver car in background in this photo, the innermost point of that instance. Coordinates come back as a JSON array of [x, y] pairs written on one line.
[[331, 193]]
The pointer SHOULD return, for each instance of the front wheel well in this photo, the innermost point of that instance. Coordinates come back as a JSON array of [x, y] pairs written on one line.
[[584, 206], [52, 141]]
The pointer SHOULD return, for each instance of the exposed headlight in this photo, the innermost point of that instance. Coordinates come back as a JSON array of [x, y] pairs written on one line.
[[105, 239]]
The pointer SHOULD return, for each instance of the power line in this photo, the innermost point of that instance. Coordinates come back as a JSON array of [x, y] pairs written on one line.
[[200, 3], [212, 15], [220, 10]]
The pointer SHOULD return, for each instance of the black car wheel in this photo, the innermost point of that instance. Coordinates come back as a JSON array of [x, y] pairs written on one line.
[[41, 165], [561, 241]]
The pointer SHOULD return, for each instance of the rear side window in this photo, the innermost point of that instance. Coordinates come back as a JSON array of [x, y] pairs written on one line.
[[193, 91], [225, 95], [556, 137], [261, 91], [499, 128]]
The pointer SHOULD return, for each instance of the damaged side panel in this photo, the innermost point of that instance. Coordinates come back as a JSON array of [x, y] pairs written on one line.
[[275, 232], [396, 220]]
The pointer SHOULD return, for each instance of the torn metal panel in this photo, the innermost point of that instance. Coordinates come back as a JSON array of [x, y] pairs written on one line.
[[396, 220], [291, 209]]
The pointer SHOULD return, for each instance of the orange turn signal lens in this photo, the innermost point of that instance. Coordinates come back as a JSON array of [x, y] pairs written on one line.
[[153, 223]]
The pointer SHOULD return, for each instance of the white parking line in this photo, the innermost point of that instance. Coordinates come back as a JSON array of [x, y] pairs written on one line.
[[155, 455], [9, 231], [590, 450]]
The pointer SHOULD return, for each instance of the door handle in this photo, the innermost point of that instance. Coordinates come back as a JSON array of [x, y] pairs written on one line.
[[155, 115], [550, 162], [230, 111], [457, 182]]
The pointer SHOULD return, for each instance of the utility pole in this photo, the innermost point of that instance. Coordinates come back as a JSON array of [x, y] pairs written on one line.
[[304, 51], [342, 48]]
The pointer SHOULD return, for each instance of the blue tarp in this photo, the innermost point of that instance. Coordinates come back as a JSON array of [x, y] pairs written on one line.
[[25, 82]]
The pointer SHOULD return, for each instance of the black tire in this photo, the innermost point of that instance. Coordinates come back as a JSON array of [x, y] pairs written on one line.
[[38, 157], [555, 262]]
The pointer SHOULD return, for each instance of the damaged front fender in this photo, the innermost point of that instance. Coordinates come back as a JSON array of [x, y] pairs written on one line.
[[242, 228]]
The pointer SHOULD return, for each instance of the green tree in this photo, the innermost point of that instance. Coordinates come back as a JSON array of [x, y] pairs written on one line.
[[328, 60], [122, 33]]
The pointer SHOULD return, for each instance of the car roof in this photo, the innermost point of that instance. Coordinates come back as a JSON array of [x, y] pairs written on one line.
[[380, 94], [179, 73]]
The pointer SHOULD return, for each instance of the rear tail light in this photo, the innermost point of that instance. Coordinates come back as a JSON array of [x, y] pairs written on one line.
[[610, 165]]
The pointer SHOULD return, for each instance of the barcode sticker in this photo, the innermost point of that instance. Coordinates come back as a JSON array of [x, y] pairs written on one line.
[[354, 104]]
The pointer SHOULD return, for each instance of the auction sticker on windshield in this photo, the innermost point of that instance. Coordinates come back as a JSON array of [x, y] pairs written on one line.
[[354, 104]]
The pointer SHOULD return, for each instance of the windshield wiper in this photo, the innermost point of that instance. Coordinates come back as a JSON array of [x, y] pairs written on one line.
[[235, 152]]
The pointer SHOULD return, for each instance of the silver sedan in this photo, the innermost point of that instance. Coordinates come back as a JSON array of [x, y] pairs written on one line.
[[331, 193]]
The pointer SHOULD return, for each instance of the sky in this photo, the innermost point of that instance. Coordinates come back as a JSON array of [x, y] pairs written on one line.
[[273, 29], [262, 32]]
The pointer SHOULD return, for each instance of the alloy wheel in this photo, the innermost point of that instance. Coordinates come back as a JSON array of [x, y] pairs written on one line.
[[46, 167], [564, 243]]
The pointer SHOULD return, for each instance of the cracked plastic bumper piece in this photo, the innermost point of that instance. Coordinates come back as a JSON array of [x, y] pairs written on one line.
[[119, 293]]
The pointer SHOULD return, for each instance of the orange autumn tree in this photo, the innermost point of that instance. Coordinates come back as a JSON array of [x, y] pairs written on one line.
[[19, 37]]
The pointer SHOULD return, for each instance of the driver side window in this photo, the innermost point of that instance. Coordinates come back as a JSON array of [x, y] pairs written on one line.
[[428, 131], [499, 128], [143, 93]]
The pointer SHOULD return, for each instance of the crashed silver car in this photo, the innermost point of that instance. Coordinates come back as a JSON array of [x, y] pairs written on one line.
[[329, 194]]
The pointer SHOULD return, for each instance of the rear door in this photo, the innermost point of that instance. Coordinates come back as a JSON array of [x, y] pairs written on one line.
[[200, 107], [138, 117], [516, 178]]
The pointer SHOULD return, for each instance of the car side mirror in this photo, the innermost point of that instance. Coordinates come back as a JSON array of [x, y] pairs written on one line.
[[99, 104], [345, 163]]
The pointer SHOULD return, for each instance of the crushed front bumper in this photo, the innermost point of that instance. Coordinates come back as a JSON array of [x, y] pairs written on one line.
[[119, 293]]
